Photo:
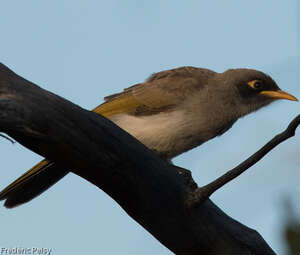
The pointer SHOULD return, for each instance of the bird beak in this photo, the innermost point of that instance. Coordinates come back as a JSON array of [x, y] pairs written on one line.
[[279, 94]]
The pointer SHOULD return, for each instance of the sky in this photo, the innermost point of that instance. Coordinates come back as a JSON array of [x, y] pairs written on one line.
[[85, 50]]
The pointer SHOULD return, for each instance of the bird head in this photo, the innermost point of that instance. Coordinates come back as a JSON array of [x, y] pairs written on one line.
[[250, 89]]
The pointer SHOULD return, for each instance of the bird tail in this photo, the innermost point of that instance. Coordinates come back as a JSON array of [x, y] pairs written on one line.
[[44, 174], [32, 183]]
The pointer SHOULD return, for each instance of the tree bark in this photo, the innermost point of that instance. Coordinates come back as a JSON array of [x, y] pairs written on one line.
[[153, 192]]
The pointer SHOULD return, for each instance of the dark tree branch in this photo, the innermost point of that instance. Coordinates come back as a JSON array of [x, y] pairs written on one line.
[[206, 191], [7, 138], [150, 190]]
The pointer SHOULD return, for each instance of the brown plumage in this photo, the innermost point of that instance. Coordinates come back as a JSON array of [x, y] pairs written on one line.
[[171, 113]]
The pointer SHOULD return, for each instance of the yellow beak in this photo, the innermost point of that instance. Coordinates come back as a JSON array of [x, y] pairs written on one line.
[[279, 94]]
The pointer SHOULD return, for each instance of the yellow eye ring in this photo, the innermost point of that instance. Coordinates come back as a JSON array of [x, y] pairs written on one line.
[[255, 84]]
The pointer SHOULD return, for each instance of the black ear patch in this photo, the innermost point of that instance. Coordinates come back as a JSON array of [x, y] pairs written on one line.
[[247, 91]]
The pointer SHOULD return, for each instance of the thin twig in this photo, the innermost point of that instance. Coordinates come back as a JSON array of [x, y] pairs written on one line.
[[206, 191]]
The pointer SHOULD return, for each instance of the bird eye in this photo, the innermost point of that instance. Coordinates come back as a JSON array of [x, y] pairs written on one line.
[[256, 84]]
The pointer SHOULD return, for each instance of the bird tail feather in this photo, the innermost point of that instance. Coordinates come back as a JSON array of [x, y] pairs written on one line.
[[32, 183], [44, 174]]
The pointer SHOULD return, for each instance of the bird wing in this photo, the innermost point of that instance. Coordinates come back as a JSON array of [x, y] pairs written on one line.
[[161, 91]]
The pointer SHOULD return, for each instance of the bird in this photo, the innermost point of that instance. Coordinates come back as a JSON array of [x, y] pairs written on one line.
[[172, 112]]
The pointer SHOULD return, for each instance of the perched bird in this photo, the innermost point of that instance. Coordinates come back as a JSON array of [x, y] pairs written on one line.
[[171, 112]]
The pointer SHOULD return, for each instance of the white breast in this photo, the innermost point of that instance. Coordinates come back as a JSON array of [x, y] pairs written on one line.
[[162, 132], [173, 133]]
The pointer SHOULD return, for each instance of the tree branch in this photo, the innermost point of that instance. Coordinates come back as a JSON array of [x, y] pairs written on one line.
[[204, 192], [150, 190]]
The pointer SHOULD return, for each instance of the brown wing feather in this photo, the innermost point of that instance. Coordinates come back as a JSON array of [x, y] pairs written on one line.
[[161, 91]]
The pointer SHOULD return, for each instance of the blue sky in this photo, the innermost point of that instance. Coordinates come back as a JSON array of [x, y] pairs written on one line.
[[85, 50]]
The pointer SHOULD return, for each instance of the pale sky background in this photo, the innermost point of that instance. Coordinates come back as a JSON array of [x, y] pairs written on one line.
[[85, 50]]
